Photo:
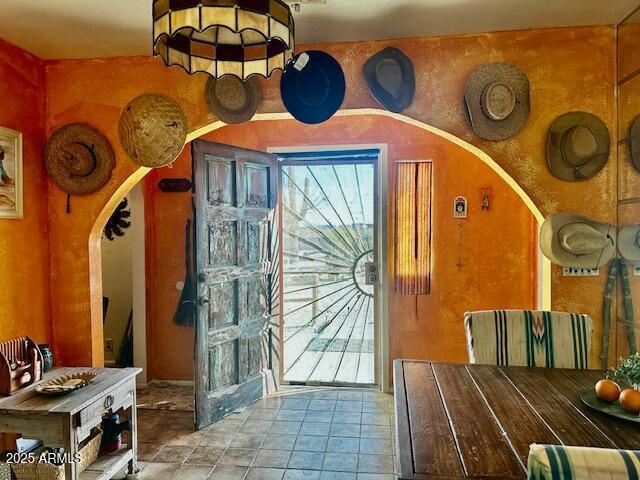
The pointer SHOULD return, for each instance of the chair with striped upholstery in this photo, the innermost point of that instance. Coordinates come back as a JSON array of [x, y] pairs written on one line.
[[554, 462], [529, 338]]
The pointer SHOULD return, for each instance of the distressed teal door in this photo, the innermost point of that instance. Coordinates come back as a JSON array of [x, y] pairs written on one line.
[[234, 200]]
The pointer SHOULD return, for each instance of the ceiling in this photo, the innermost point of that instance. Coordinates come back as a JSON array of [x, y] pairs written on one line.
[[59, 29]]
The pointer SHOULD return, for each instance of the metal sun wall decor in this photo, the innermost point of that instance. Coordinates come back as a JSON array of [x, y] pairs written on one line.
[[413, 227], [118, 223], [224, 37]]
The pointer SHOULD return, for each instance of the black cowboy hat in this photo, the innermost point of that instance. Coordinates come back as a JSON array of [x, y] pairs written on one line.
[[391, 79], [312, 86]]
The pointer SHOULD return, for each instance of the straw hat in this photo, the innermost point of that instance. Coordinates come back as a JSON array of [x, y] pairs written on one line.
[[573, 240], [578, 146], [153, 130], [496, 97], [391, 79], [629, 243], [232, 100], [78, 159], [634, 142]]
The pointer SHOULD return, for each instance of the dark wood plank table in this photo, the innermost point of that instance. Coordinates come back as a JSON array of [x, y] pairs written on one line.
[[477, 421]]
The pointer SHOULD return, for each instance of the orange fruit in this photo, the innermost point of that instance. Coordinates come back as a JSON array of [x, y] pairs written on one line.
[[607, 390], [630, 400]]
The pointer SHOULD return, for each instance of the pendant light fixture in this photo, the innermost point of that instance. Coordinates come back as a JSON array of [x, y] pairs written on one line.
[[224, 37]]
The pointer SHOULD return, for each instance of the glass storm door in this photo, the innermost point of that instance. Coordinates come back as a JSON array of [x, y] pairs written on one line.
[[328, 240], [234, 200]]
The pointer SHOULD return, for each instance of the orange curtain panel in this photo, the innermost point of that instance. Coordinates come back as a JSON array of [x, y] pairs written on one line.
[[413, 227]]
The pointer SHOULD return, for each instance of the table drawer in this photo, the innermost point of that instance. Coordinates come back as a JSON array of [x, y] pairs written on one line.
[[115, 399]]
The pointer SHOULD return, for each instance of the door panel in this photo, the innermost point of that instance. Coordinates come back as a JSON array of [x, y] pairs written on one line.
[[234, 204]]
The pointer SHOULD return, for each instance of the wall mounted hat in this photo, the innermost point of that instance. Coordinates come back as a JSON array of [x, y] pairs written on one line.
[[391, 79], [629, 243], [313, 86], [153, 130], [496, 99], [78, 159], [224, 37], [578, 146], [634, 142], [232, 100], [573, 240]]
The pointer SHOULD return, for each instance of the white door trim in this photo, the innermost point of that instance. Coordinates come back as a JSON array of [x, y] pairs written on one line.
[[139, 284]]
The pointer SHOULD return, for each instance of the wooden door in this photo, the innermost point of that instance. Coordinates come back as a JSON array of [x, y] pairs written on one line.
[[234, 201]]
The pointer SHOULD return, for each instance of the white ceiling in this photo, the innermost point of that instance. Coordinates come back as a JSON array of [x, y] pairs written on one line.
[[56, 29]]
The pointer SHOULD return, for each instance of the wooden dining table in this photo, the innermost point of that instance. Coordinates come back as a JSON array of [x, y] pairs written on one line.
[[477, 421]]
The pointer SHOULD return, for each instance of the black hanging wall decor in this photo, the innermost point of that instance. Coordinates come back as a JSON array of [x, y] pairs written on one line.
[[118, 223]]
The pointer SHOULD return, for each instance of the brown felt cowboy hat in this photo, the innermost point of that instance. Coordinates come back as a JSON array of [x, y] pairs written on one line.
[[634, 142], [573, 240], [153, 130], [391, 79], [497, 100], [578, 146], [232, 100], [629, 243], [78, 159]]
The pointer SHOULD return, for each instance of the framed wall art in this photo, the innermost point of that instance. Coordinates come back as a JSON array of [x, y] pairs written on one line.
[[11, 184]]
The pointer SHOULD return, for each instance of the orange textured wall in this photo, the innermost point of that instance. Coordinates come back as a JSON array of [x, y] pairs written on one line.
[[24, 251], [498, 247], [569, 69]]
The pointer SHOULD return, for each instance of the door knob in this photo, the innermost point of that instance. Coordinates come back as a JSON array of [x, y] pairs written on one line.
[[204, 301], [202, 277]]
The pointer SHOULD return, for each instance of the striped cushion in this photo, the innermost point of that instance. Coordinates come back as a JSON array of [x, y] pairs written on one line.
[[529, 338], [553, 462]]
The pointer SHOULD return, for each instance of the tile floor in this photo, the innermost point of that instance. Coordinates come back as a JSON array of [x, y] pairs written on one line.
[[300, 434]]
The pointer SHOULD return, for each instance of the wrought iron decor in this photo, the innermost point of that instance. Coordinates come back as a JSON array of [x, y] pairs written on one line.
[[328, 241]]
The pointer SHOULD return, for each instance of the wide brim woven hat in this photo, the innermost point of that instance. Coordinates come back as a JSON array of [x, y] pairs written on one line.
[[563, 231], [313, 87], [578, 146], [629, 243], [634, 142], [78, 159], [153, 130], [497, 100], [391, 79], [232, 100]]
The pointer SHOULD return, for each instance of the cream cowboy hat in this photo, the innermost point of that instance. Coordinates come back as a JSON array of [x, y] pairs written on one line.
[[629, 242], [573, 240]]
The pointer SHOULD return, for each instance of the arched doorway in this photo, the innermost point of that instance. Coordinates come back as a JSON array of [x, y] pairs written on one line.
[[543, 268]]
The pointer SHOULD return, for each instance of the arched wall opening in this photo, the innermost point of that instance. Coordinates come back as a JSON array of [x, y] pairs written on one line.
[[247, 136]]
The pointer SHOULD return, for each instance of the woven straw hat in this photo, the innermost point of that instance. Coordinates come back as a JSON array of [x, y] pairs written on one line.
[[573, 240], [78, 159], [496, 98], [232, 100], [153, 130], [634, 142], [629, 243], [578, 146]]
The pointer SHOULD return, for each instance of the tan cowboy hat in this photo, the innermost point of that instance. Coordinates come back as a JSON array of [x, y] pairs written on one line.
[[232, 100], [78, 159], [496, 99], [153, 130], [573, 240], [634, 142], [629, 242], [578, 146]]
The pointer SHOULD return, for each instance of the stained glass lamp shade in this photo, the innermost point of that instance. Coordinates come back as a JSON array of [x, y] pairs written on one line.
[[224, 37]]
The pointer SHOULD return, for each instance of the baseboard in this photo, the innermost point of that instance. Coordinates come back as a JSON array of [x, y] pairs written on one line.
[[179, 383]]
